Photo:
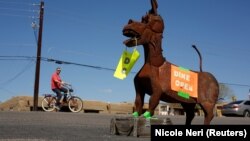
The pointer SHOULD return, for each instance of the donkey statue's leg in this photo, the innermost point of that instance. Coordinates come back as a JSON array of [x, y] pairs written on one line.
[[208, 95], [208, 108], [154, 100], [139, 99], [189, 108]]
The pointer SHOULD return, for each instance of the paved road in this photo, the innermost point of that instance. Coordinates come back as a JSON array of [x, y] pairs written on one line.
[[65, 126]]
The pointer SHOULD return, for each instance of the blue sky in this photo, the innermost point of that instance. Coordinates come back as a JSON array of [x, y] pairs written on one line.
[[90, 32]]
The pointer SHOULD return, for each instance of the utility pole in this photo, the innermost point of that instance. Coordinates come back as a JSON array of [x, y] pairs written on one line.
[[249, 94], [38, 57]]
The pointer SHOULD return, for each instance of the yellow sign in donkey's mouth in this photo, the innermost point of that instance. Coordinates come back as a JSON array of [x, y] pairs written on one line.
[[126, 63]]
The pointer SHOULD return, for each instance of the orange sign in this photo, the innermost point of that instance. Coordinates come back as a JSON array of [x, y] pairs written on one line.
[[184, 81]]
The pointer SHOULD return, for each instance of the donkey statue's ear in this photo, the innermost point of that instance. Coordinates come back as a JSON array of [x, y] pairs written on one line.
[[154, 5]]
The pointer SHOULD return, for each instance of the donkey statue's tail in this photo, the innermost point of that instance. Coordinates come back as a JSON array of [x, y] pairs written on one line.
[[199, 56]]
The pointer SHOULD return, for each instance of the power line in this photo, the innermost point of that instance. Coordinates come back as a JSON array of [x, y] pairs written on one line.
[[88, 66], [235, 84], [18, 74], [16, 9], [14, 59], [15, 15], [14, 3], [19, 10], [17, 58], [77, 64], [55, 61]]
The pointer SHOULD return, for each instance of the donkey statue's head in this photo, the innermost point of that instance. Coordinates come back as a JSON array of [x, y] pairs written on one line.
[[150, 27]]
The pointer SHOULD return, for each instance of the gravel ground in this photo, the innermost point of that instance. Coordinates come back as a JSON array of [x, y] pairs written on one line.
[[66, 126], [58, 126]]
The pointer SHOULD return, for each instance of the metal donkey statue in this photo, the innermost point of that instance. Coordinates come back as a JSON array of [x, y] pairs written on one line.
[[155, 78]]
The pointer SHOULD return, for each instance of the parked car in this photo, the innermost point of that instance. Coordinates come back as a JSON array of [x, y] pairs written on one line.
[[237, 108]]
